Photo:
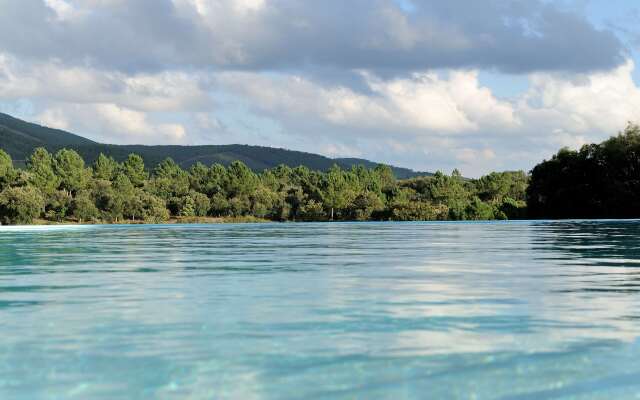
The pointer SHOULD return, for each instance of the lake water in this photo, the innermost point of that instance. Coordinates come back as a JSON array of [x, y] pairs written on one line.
[[518, 310]]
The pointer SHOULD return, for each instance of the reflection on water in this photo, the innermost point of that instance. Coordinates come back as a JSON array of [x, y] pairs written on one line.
[[519, 310]]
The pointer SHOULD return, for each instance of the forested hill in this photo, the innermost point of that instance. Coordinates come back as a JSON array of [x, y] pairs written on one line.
[[20, 138]]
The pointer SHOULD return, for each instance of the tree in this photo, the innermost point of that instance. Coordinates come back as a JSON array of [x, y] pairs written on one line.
[[216, 180], [498, 185], [365, 205], [219, 205], [201, 204], [133, 168], [106, 200], [57, 205], [240, 184], [312, 211], [105, 168], [128, 197], [194, 205], [241, 181], [198, 176], [155, 209], [511, 209], [440, 189], [385, 178], [7, 172], [266, 203], [41, 171], [83, 207], [69, 167], [478, 210], [20, 205], [187, 208], [171, 183], [335, 190], [572, 183]]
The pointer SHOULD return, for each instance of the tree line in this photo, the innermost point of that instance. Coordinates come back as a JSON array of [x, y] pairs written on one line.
[[598, 181], [60, 187]]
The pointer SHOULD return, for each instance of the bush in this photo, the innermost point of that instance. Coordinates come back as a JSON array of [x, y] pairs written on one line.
[[83, 207], [418, 211], [155, 209], [20, 205], [313, 211], [57, 205]]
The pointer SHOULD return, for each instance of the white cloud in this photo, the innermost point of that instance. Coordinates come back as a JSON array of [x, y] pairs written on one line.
[[62, 9], [108, 122], [244, 6], [425, 121], [166, 91], [422, 103], [431, 121], [582, 106], [54, 118]]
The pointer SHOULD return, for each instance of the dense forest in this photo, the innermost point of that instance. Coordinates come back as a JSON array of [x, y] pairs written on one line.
[[597, 181], [60, 187]]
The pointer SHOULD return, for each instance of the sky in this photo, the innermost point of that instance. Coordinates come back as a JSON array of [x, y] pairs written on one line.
[[426, 84]]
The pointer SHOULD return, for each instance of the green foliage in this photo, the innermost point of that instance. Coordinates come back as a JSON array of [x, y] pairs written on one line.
[[499, 185], [114, 192], [20, 205], [187, 208], [336, 193], [41, 171], [511, 209], [154, 208], [241, 181], [220, 206], [312, 211], [57, 205], [84, 208], [193, 205], [69, 167], [598, 181], [171, 183], [106, 200], [133, 168], [478, 210], [365, 205], [105, 168], [405, 206], [7, 173]]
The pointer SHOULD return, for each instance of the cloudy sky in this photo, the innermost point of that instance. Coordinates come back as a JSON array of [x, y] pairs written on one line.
[[426, 84]]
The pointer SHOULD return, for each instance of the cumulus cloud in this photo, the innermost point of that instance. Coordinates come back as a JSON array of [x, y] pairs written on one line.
[[361, 78], [582, 104], [423, 102], [378, 35], [107, 122], [164, 91], [432, 121]]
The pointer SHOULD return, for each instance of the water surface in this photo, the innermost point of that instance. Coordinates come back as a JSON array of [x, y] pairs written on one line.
[[519, 310]]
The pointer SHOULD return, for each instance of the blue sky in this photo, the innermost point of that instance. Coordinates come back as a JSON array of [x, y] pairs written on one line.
[[426, 84]]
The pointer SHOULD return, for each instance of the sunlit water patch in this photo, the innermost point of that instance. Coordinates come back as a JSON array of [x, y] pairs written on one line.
[[521, 310]]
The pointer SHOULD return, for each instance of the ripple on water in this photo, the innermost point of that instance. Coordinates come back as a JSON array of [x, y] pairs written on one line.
[[517, 310]]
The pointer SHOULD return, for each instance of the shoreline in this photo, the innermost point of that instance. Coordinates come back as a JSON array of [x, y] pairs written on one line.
[[254, 220], [170, 221]]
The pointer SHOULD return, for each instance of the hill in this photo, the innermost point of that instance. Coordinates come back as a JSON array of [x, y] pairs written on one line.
[[19, 138]]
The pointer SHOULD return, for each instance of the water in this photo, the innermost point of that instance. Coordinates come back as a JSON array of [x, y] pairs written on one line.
[[520, 310]]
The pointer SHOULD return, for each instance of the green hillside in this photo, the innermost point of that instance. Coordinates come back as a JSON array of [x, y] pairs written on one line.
[[19, 138]]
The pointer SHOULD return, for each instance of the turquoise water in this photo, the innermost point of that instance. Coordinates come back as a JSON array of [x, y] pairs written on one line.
[[520, 310]]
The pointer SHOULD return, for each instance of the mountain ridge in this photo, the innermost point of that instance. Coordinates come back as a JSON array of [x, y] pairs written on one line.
[[19, 138]]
